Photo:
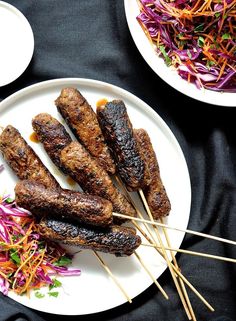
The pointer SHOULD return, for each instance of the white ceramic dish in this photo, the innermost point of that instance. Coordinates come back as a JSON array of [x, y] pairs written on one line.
[[94, 291], [17, 43], [169, 75]]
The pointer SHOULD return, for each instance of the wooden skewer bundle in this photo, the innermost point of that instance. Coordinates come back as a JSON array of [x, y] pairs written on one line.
[[209, 236], [178, 282], [153, 243]]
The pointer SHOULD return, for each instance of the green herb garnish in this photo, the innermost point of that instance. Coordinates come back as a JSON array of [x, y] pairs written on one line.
[[56, 284], [210, 63], [166, 57], [14, 256], [200, 41], [54, 294], [63, 261], [199, 28], [226, 36], [39, 295]]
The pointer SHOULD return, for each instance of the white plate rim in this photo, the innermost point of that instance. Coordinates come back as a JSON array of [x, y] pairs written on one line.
[[166, 73], [30, 36], [114, 89]]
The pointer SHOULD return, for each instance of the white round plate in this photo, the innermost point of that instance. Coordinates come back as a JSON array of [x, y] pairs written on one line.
[[94, 291], [17, 43], [168, 74]]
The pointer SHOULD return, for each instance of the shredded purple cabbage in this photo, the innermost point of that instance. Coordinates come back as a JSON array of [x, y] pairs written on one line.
[[184, 40], [11, 232]]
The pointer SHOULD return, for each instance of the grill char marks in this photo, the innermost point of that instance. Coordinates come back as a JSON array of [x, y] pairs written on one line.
[[23, 160], [63, 204], [52, 134], [82, 120], [93, 179], [118, 240], [155, 193], [118, 132]]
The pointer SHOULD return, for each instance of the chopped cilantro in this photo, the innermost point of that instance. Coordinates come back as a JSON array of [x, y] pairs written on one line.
[[9, 200], [200, 41], [56, 284], [63, 261], [199, 28], [210, 63], [39, 295], [54, 294], [226, 36], [166, 57], [180, 35], [14, 256]]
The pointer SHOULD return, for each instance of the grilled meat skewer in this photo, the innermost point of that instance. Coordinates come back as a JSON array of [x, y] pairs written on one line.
[[118, 240], [155, 192], [77, 162], [23, 160], [52, 134], [61, 203], [74, 160], [118, 132], [82, 120]]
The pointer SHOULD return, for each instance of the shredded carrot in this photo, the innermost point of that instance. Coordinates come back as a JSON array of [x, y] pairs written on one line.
[[222, 69]]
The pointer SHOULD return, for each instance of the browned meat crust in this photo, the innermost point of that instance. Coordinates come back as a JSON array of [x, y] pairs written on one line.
[[118, 132], [22, 159], [74, 160], [155, 193], [61, 203], [118, 240], [82, 120], [93, 179], [52, 134]]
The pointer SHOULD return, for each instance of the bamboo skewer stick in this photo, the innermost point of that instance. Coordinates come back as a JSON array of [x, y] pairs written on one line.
[[152, 277], [185, 293], [165, 255], [209, 236], [210, 256], [193, 289], [136, 254], [193, 317], [178, 272], [103, 264], [179, 291]]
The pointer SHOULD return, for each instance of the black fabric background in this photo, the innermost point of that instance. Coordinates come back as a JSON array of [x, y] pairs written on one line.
[[91, 39]]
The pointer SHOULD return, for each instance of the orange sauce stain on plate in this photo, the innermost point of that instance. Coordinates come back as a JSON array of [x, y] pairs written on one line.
[[101, 102], [34, 138], [70, 181]]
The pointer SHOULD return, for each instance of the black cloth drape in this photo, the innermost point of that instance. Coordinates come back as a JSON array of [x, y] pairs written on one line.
[[91, 39]]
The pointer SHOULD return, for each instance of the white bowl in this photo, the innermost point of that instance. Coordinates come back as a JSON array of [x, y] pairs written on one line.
[[17, 43]]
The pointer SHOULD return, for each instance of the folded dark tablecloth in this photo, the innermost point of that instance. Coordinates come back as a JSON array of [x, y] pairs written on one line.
[[91, 39]]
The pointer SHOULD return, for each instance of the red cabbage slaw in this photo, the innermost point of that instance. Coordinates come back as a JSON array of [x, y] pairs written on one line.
[[27, 261], [196, 37]]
